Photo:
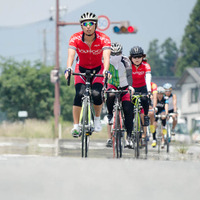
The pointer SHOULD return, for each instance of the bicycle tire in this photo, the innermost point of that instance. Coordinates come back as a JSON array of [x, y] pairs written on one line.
[[146, 141], [137, 135], [84, 137], [159, 136], [117, 135], [167, 137]]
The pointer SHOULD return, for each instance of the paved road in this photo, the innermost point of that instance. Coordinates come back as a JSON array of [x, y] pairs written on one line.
[[42, 169]]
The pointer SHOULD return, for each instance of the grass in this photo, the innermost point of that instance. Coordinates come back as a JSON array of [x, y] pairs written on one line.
[[182, 149], [41, 129]]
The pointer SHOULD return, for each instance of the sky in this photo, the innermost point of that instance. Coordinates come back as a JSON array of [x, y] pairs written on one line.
[[22, 24], [20, 12]]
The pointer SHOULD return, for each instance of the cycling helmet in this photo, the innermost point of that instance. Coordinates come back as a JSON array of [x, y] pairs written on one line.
[[116, 48], [167, 86], [88, 16], [137, 51], [160, 89]]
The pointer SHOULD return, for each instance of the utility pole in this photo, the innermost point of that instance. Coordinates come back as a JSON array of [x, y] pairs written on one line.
[[44, 48], [57, 67]]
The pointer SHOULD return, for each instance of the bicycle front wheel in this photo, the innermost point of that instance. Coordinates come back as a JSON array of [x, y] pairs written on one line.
[[168, 137], [84, 121], [117, 134], [137, 130]]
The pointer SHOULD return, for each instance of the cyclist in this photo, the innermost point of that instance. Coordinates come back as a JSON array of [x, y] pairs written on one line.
[[172, 104], [118, 66], [162, 109], [141, 79], [152, 106], [91, 46]]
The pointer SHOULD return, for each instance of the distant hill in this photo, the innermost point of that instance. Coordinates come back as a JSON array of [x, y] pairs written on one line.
[[154, 19]]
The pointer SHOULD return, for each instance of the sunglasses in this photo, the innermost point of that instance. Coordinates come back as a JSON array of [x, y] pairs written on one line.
[[88, 23], [137, 56]]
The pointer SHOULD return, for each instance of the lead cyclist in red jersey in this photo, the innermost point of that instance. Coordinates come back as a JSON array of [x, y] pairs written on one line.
[[91, 46]]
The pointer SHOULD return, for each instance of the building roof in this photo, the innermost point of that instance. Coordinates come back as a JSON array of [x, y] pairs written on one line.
[[197, 70], [161, 80], [194, 72]]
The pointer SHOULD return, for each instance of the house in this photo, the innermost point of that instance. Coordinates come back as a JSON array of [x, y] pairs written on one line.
[[189, 84]]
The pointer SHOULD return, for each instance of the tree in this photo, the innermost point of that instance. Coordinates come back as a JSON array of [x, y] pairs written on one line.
[[162, 59], [190, 46], [25, 87], [169, 57], [153, 55]]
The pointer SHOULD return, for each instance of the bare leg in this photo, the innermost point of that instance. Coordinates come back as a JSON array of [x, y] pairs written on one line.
[[109, 131], [174, 122], [76, 114], [97, 109]]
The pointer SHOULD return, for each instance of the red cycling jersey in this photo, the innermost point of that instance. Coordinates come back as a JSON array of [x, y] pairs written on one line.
[[138, 75], [90, 57]]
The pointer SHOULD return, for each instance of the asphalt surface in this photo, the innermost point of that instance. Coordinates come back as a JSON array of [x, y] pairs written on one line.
[[53, 169]]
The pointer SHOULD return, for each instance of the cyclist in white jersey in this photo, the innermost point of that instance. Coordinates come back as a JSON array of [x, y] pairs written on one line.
[[118, 66], [172, 106]]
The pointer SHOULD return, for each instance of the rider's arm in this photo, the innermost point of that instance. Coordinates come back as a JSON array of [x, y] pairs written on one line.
[[148, 80], [71, 55], [174, 103], [166, 108], [154, 99], [70, 60], [106, 58]]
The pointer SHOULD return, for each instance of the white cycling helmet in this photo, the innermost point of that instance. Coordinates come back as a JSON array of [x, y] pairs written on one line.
[[167, 86], [88, 16], [160, 89], [116, 48]]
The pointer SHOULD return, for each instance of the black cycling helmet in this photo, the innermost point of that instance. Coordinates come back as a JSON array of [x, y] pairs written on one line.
[[137, 51], [88, 16], [116, 48]]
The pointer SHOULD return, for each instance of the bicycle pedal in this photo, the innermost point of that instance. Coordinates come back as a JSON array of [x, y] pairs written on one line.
[[89, 133]]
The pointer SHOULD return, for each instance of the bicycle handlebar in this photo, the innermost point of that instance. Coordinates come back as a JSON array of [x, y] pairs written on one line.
[[90, 74], [81, 74], [116, 91], [168, 115]]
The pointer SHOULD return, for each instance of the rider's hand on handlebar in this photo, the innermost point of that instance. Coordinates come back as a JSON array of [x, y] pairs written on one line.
[[131, 89], [149, 94], [155, 109], [107, 73], [67, 71]]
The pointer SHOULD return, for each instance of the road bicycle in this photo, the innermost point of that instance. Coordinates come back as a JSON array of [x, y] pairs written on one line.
[[168, 135], [118, 129], [136, 136], [159, 131], [86, 120]]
